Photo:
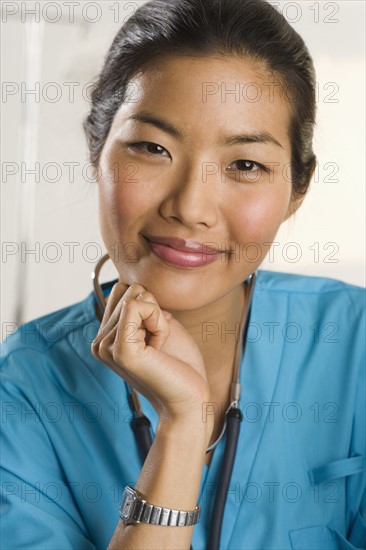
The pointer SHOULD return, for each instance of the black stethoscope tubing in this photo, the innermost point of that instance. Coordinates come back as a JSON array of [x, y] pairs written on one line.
[[234, 419], [233, 422], [141, 426]]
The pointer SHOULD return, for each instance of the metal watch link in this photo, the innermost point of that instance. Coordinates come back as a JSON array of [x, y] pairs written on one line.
[[135, 509]]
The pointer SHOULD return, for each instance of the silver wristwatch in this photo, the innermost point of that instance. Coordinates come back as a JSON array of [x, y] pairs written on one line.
[[134, 509]]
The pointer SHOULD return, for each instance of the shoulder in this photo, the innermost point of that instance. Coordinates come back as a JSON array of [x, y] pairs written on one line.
[[321, 310], [49, 339], [287, 283], [320, 293]]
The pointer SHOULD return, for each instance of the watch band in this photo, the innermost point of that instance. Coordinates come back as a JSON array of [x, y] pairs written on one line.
[[135, 509]]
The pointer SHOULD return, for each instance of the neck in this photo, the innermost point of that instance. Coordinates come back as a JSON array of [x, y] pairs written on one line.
[[216, 331]]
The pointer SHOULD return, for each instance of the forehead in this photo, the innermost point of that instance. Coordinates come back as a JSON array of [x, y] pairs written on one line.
[[215, 94]]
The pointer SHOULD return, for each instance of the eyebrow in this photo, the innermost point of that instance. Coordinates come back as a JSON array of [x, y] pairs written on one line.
[[257, 137], [260, 137], [159, 123]]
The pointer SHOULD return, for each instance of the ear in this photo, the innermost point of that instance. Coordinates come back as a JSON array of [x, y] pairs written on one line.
[[297, 199], [295, 203]]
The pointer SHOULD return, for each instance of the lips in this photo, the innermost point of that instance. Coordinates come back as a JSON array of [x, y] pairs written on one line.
[[183, 245], [183, 253]]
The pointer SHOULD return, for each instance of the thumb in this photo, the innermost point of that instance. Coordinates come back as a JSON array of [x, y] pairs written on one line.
[[156, 324], [166, 314]]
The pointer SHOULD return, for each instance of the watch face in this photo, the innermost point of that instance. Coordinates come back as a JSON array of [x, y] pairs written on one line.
[[127, 504]]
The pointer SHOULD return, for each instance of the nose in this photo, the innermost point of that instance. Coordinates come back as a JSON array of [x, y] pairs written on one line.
[[192, 199]]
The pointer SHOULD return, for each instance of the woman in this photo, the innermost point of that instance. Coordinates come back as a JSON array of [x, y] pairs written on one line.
[[199, 110]]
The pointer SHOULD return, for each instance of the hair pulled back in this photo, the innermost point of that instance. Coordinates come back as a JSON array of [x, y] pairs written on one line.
[[244, 28]]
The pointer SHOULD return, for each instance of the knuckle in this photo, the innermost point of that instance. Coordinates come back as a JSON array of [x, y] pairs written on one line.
[[136, 288], [118, 356], [128, 305], [100, 334], [149, 296], [94, 350], [117, 287], [119, 284], [117, 291], [155, 310], [94, 345], [103, 349], [122, 288]]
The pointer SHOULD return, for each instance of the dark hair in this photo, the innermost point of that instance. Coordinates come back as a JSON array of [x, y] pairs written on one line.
[[246, 28]]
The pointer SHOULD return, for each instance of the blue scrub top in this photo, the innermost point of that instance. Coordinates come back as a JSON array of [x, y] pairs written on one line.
[[298, 480]]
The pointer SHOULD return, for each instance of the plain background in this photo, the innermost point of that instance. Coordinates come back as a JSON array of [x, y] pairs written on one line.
[[327, 236]]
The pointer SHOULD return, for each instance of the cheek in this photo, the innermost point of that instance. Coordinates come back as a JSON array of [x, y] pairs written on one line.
[[260, 216], [122, 195]]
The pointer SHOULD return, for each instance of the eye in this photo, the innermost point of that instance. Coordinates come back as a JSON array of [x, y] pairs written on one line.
[[152, 149], [247, 166]]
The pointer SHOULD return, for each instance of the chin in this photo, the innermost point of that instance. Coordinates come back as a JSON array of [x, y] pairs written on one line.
[[179, 305], [178, 300], [179, 291]]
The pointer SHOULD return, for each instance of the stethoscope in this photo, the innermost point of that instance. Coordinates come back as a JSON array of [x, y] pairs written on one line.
[[141, 425]]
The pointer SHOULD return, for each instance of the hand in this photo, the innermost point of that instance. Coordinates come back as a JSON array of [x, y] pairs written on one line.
[[152, 351]]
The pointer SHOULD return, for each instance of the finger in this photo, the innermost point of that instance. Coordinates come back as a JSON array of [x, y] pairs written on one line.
[[152, 322], [133, 291], [132, 327], [138, 294], [157, 338], [104, 353], [149, 297], [101, 347], [136, 316], [111, 313], [118, 290], [120, 293]]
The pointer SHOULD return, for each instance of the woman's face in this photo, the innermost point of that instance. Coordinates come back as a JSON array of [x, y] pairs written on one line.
[[200, 152]]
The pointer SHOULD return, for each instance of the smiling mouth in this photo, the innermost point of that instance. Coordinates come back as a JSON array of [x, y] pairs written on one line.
[[181, 253]]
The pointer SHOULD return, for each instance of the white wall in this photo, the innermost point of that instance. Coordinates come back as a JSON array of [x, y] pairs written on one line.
[[328, 231]]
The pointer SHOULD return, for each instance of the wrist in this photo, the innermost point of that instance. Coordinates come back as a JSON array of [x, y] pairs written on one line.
[[185, 430], [136, 509], [173, 468]]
